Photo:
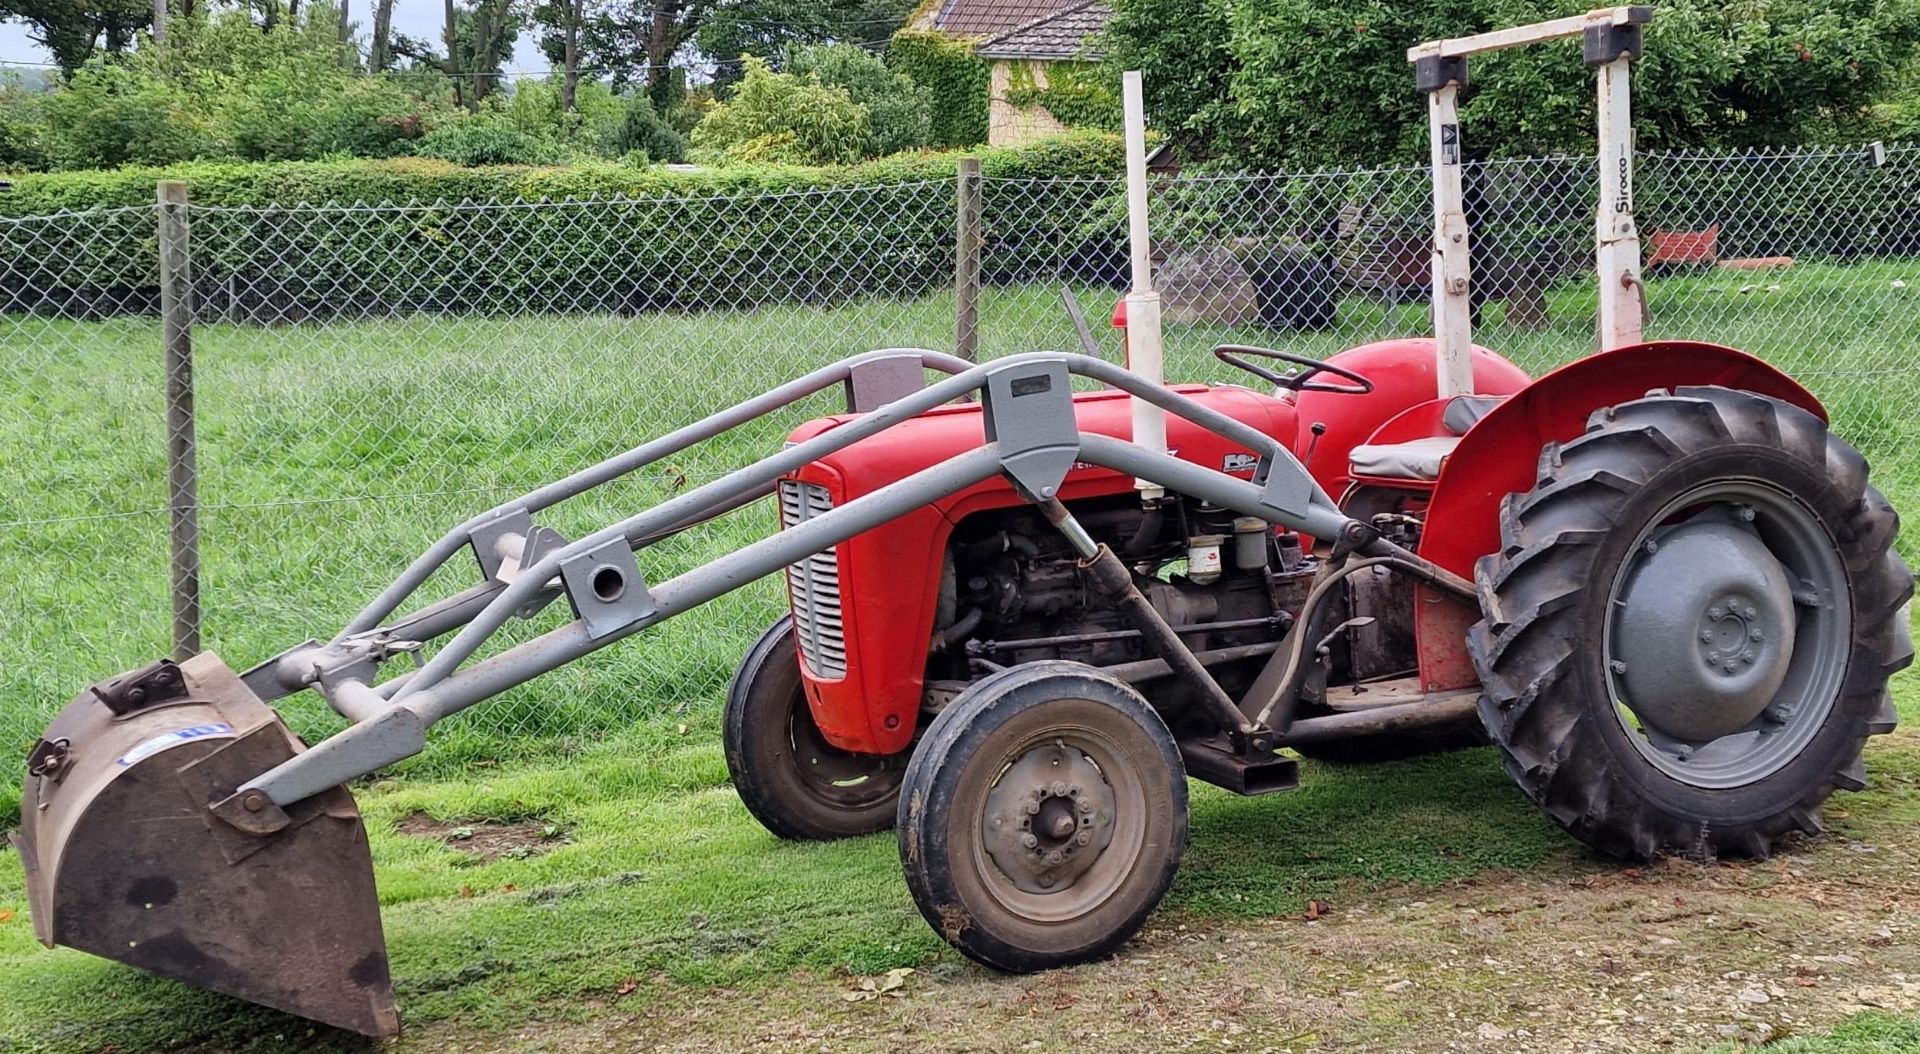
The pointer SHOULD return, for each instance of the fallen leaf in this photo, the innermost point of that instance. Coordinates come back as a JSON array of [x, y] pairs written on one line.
[[626, 987], [891, 983], [466, 892], [1315, 909], [5, 915], [508, 888]]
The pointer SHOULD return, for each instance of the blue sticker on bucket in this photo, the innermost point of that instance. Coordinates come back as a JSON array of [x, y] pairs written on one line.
[[173, 739]]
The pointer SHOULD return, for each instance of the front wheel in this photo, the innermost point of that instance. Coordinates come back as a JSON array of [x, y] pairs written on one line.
[[791, 779], [1043, 817], [1690, 625]]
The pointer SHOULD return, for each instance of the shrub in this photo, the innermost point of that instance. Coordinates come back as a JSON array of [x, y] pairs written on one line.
[[900, 111], [781, 118], [23, 130], [489, 137], [956, 78], [293, 113], [109, 115], [643, 132]]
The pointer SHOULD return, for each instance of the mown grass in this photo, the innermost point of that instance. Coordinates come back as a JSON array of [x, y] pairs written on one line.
[[332, 454], [658, 874]]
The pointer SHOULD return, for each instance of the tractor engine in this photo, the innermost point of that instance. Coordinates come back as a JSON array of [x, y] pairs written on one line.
[[1013, 591]]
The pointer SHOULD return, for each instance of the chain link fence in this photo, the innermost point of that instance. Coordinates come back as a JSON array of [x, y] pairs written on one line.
[[366, 375]]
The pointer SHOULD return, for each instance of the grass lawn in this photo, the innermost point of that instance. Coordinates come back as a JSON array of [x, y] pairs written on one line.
[[331, 455]]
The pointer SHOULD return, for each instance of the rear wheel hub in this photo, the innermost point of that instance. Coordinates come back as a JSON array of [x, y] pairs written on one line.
[[1727, 634], [1703, 630]]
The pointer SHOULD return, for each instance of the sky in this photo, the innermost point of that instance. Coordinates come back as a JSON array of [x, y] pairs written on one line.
[[415, 18]]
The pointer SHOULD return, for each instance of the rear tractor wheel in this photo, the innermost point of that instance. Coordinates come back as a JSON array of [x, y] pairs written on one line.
[[1043, 817], [1690, 625], [791, 779]]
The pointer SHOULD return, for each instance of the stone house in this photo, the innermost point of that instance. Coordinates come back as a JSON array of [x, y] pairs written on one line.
[[1022, 41]]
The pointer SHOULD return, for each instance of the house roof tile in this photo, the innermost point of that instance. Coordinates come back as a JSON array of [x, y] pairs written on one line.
[[1061, 34]]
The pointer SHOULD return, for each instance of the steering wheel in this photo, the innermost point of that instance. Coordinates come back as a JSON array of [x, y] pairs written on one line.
[[1299, 380]]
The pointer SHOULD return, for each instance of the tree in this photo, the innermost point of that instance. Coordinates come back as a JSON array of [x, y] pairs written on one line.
[[787, 119], [379, 53], [478, 37], [562, 23], [1302, 83], [773, 28], [900, 112], [71, 29], [1184, 48]]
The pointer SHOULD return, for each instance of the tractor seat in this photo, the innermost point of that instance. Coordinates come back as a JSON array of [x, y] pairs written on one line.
[[1420, 459]]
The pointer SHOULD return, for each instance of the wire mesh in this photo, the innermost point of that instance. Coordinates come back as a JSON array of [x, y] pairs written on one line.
[[368, 375]]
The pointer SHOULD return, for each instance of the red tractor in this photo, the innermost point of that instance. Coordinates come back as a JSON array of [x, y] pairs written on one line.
[[1652, 579]]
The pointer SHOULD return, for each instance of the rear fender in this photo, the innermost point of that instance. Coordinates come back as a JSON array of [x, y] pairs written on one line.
[[1500, 455]]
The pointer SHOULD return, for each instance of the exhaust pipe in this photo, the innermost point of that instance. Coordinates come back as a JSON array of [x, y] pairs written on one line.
[[1144, 350], [125, 860]]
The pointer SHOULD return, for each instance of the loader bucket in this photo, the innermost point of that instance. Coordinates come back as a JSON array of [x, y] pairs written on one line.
[[125, 860]]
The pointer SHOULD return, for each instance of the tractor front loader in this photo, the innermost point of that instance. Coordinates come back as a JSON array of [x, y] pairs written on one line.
[[1021, 617]]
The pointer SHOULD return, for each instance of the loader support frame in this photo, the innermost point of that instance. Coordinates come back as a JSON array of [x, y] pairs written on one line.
[[1611, 39], [1031, 440]]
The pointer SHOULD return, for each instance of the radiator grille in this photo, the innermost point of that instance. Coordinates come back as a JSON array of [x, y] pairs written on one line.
[[813, 587]]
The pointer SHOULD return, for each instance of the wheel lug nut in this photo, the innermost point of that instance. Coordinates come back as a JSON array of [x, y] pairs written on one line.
[[1059, 789], [1756, 636], [1033, 807], [1717, 612], [1748, 612], [1617, 666], [1713, 660], [1085, 805], [1046, 881], [1746, 513], [1706, 636], [1029, 840], [1086, 838], [1652, 546], [1054, 856]]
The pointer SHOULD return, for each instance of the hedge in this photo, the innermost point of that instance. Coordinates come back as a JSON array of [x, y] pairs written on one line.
[[296, 241]]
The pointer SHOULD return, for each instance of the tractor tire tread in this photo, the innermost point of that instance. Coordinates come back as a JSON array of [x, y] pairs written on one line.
[[1525, 649]]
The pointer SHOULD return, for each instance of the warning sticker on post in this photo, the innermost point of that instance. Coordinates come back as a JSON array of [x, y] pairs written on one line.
[[1449, 144], [173, 739]]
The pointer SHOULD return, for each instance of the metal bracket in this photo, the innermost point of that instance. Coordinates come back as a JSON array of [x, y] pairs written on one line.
[[873, 383], [493, 547], [154, 683], [1603, 42], [1285, 487], [1029, 415], [485, 539], [606, 589], [1434, 72]]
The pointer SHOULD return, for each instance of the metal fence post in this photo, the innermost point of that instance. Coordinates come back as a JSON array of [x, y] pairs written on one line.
[[966, 260], [183, 485]]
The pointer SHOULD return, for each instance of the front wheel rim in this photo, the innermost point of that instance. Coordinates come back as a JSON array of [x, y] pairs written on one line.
[[836, 777], [1667, 706], [1027, 880]]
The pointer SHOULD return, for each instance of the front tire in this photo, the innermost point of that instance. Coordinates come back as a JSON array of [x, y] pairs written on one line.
[[790, 778], [1043, 817], [1690, 626]]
